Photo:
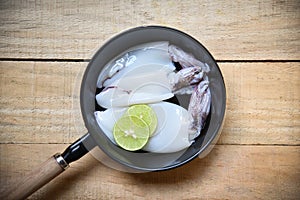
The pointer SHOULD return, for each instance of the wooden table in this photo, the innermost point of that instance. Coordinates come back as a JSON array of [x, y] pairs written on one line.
[[45, 47]]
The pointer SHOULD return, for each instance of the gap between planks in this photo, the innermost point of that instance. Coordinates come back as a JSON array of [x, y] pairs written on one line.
[[88, 60]]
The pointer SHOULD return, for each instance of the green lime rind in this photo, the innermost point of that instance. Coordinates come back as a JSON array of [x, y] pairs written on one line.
[[131, 133], [145, 113]]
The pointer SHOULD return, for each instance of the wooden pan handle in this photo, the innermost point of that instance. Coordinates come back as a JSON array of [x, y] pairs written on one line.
[[37, 178], [49, 169]]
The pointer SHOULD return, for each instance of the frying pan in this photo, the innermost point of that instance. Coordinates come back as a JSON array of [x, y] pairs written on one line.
[[95, 138]]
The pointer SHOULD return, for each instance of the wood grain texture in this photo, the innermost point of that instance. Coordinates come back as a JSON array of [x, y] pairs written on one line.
[[263, 103], [257, 156], [240, 30], [229, 172], [39, 103], [33, 181]]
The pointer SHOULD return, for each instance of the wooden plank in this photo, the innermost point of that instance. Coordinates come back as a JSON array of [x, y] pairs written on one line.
[[263, 103], [228, 172], [38, 105], [256, 30], [39, 100], [40, 79]]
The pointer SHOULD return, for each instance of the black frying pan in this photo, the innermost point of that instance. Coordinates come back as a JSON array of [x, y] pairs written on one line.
[[132, 161]]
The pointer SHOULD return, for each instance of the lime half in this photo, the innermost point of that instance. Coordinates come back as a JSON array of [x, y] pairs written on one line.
[[145, 113], [131, 133]]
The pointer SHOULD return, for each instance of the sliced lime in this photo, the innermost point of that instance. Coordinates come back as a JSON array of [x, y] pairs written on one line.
[[145, 113], [131, 133]]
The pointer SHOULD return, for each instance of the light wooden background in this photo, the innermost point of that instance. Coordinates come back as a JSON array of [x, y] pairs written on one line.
[[44, 49]]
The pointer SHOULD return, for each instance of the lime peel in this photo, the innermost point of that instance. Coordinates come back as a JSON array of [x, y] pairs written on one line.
[[131, 133], [145, 113], [133, 129]]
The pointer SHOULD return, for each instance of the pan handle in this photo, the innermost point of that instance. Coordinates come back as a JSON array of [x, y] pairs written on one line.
[[49, 169], [37, 178]]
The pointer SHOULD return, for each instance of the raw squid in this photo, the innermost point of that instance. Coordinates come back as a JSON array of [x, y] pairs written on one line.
[[146, 74], [185, 59], [171, 117]]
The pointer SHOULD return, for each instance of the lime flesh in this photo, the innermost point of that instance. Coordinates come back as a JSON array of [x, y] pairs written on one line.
[[145, 113], [131, 133]]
